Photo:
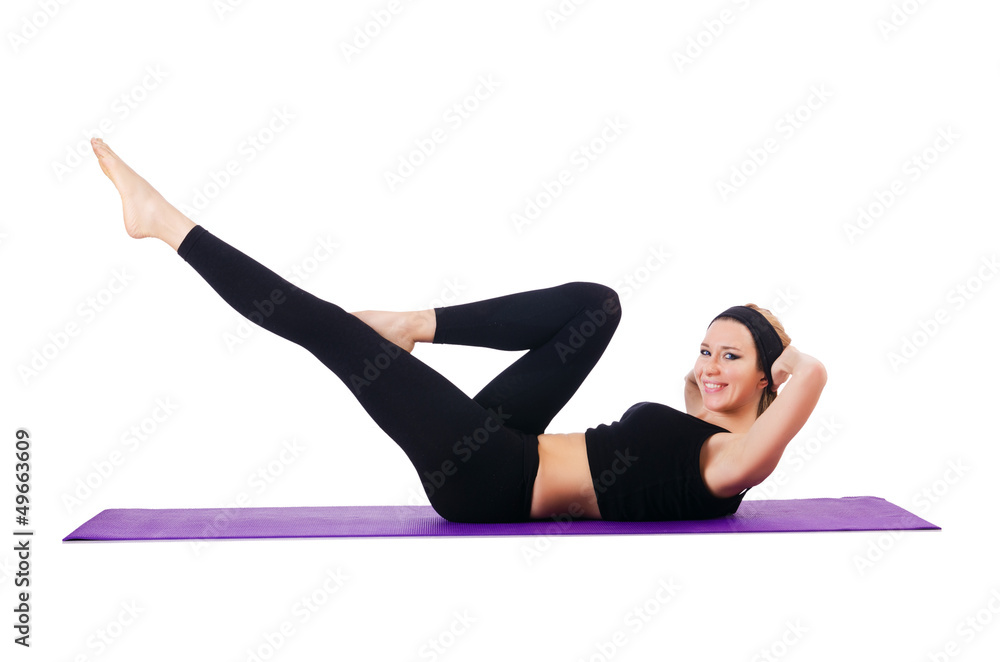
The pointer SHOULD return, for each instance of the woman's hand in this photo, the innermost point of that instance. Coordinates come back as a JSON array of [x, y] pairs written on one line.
[[784, 366]]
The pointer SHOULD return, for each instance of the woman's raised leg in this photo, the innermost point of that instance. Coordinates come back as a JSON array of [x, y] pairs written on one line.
[[565, 329], [473, 468]]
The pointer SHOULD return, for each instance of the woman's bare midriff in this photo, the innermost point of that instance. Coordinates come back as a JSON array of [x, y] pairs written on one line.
[[563, 484]]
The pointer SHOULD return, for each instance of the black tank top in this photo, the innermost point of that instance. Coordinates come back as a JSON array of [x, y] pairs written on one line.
[[646, 467]]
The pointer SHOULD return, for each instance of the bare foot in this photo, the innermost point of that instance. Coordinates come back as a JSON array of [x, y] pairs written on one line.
[[146, 212], [404, 329], [394, 327]]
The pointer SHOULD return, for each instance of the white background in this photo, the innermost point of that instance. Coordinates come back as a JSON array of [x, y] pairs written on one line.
[[880, 94]]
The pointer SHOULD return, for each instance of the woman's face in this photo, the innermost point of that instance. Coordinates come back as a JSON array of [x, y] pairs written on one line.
[[726, 368]]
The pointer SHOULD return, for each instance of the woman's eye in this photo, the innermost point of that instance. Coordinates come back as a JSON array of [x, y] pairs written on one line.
[[733, 356]]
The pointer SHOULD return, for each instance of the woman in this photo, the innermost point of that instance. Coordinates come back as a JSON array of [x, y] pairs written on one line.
[[488, 458]]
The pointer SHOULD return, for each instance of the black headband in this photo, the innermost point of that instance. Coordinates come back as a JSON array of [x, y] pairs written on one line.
[[768, 342]]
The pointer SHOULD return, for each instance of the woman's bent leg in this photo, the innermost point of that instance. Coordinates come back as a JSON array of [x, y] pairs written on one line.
[[473, 467], [566, 328]]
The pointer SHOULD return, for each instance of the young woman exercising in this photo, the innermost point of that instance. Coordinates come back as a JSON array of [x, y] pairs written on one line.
[[488, 458]]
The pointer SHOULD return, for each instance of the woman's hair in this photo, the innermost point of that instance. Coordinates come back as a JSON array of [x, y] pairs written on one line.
[[768, 396]]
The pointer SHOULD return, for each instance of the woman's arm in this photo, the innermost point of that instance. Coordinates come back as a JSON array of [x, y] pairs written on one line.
[[761, 448]]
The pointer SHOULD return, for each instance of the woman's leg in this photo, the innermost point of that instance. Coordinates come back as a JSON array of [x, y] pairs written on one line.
[[473, 468], [566, 330]]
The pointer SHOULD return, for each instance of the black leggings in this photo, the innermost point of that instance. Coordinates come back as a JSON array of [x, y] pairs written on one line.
[[476, 457]]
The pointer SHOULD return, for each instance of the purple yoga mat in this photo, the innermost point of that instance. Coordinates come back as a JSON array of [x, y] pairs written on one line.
[[862, 513]]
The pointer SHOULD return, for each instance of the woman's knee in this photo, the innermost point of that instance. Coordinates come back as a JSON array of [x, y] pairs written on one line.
[[600, 300]]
